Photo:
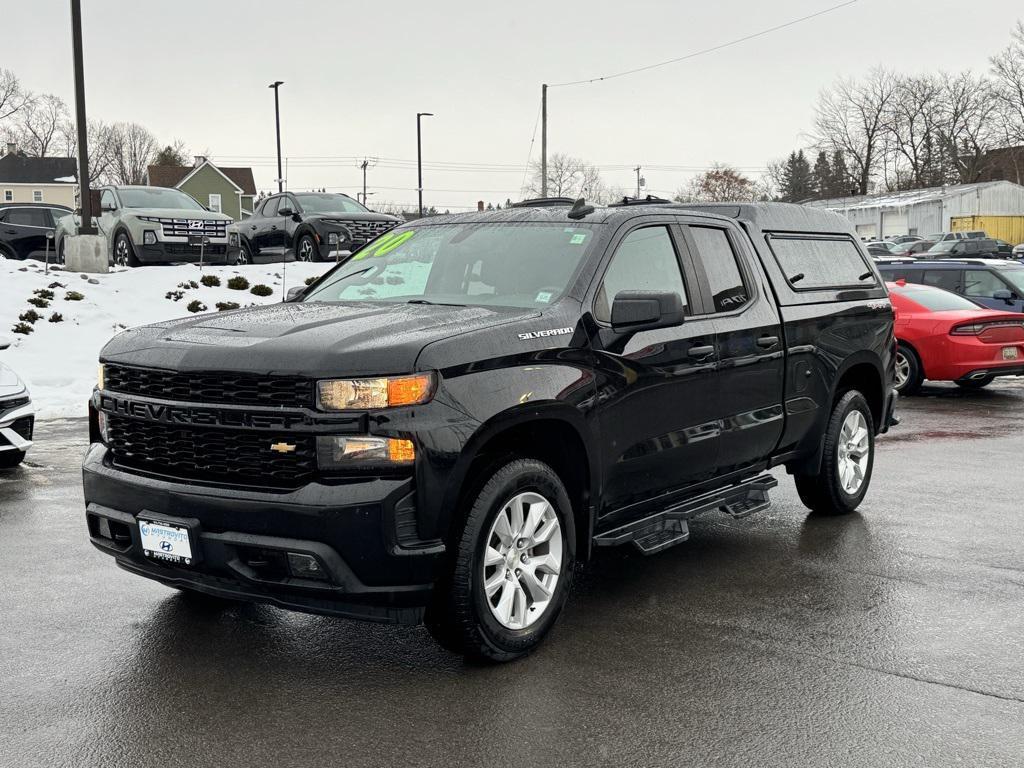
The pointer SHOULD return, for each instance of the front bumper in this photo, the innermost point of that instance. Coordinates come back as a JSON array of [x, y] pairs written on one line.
[[16, 428], [240, 537], [218, 251]]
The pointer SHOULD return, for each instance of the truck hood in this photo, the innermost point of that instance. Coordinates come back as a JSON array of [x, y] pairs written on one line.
[[10, 384], [314, 339], [177, 213]]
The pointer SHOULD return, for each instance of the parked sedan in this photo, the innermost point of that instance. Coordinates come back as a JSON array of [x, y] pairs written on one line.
[[945, 337], [26, 229], [17, 416], [911, 248], [309, 226], [878, 250]]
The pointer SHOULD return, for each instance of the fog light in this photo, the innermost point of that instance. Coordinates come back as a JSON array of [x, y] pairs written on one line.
[[357, 452], [149, 237], [332, 238], [104, 528], [233, 238], [303, 566]]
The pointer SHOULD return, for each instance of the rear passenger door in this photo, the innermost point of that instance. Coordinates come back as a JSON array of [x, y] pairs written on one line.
[[267, 237], [25, 230], [657, 391], [751, 360]]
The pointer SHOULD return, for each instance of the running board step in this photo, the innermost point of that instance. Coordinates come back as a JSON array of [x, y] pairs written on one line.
[[664, 529]]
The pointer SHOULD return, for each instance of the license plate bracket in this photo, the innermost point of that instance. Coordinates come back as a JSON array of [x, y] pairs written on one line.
[[1011, 353], [173, 542]]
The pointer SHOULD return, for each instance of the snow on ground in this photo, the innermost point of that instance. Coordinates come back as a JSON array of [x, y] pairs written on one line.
[[58, 360]]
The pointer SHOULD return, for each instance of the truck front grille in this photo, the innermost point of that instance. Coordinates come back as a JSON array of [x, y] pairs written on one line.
[[185, 227], [364, 231], [216, 455], [231, 388]]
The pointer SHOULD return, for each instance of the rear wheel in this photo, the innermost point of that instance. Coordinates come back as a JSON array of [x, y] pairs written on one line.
[[909, 375], [976, 383], [9, 459], [847, 460], [512, 566]]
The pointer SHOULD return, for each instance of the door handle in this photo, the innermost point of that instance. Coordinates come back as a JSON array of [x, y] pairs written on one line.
[[701, 351], [252, 226], [273, 229], [767, 342]]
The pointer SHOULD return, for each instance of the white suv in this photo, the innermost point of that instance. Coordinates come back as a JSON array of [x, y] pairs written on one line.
[[17, 416]]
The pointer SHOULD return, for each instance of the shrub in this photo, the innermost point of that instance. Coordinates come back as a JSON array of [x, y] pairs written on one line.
[[56, 285], [196, 306], [56, 317], [261, 290], [35, 301], [223, 306], [22, 328], [310, 280], [30, 316], [43, 293], [238, 283], [73, 296], [210, 281], [174, 295]]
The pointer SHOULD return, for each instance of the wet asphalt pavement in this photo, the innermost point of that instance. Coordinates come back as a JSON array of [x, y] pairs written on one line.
[[891, 637]]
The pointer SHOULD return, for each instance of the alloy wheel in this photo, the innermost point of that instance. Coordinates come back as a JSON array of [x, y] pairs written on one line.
[[243, 256], [854, 451], [121, 252], [522, 560], [305, 249], [902, 369]]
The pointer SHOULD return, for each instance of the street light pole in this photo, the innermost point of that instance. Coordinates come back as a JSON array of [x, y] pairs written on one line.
[[277, 123], [419, 158], [86, 227]]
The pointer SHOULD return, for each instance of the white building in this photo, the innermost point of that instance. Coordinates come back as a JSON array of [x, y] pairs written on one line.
[[926, 211]]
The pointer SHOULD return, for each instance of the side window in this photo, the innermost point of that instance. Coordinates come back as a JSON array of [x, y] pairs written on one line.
[[815, 263], [947, 279], [107, 200], [644, 261], [29, 217], [270, 207], [723, 272], [982, 283]]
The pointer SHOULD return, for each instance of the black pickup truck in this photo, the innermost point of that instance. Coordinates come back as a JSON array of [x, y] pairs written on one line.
[[449, 420]]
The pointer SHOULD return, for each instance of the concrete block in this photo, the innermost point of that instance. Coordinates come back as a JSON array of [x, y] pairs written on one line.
[[86, 253]]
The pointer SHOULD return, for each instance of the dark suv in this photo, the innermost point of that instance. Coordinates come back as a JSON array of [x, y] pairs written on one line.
[[309, 226], [993, 283], [448, 420], [26, 229]]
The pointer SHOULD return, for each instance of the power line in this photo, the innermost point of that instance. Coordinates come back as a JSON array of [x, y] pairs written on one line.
[[712, 49]]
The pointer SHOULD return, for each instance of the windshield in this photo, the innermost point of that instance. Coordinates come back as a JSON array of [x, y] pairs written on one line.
[[496, 264], [329, 204], [1014, 277], [152, 197], [944, 247], [935, 299]]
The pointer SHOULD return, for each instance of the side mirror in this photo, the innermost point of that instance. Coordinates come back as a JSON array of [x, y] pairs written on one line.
[[1003, 294], [294, 293], [284, 210], [4, 342], [106, 207], [644, 310]]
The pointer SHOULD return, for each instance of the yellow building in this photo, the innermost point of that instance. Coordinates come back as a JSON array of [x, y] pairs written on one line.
[[38, 179]]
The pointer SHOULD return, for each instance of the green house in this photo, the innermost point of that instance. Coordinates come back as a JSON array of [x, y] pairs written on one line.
[[227, 190]]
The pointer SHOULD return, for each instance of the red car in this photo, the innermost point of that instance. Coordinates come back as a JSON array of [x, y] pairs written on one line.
[[945, 337]]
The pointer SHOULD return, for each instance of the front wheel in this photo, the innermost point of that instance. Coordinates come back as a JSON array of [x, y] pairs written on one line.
[[512, 566], [306, 250], [124, 251], [244, 255], [847, 461]]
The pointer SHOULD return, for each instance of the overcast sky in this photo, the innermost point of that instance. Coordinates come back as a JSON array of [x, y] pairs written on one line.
[[356, 73]]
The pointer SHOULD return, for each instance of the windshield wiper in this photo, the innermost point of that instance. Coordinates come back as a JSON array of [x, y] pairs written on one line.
[[433, 303]]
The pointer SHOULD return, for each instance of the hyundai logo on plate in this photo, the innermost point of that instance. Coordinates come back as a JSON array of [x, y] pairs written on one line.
[[166, 546]]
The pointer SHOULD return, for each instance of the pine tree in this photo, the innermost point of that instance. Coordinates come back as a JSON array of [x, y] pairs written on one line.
[[842, 184], [822, 176], [797, 180]]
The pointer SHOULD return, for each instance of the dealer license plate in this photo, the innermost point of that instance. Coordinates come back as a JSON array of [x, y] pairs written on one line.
[[1010, 353], [169, 543]]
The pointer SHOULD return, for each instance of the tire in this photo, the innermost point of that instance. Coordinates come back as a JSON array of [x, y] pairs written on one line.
[[909, 372], [306, 249], [10, 459], [463, 617], [976, 383], [826, 492], [7, 253], [124, 252], [244, 254]]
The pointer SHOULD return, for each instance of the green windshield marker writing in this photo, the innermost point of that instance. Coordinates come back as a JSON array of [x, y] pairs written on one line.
[[388, 247], [577, 239]]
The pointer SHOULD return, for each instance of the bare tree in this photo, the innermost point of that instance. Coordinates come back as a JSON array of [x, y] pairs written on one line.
[[1008, 69], [101, 138], [13, 97], [38, 125], [720, 184], [568, 177], [133, 148], [966, 122], [851, 118], [912, 146]]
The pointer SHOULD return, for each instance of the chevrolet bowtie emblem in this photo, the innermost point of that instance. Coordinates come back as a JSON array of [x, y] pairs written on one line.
[[283, 447]]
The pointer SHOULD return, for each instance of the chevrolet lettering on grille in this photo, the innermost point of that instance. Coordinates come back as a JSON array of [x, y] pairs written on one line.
[[206, 417]]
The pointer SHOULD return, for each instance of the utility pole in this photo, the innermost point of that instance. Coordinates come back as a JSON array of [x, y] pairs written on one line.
[[544, 140], [364, 166], [85, 197], [277, 123], [639, 182], [419, 158]]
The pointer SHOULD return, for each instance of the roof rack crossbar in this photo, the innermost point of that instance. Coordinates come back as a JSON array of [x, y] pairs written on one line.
[[541, 202]]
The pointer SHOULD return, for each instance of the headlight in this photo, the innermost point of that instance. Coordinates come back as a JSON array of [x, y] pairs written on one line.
[[233, 238], [101, 422], [149, 237], [332, 238], [101, 376], [357, 452], [363, 394]]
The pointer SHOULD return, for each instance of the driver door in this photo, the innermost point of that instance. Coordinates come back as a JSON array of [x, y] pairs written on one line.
[[657, 395]]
